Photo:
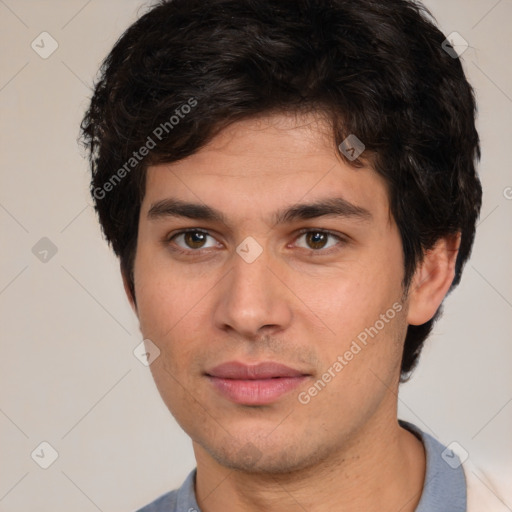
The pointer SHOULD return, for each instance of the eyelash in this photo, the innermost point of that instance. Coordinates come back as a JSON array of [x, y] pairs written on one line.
[[342, 240]]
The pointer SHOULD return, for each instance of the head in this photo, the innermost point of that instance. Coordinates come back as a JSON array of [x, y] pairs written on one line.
[[225, 118]]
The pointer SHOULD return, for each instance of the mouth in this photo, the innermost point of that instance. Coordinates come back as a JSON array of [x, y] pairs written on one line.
[[257, 384]]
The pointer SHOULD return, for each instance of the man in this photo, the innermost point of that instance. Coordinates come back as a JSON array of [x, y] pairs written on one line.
[[290, 187]]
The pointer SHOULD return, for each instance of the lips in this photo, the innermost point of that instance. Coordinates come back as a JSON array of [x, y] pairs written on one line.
[[259, 384], [240, 371]]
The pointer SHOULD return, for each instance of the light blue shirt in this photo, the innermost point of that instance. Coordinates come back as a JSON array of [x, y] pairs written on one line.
[[444, 488]]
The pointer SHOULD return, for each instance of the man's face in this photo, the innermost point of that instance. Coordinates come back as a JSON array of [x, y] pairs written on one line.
[[306, 286]]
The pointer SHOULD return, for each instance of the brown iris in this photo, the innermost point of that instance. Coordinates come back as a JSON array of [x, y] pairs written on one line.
[[316, 239], [194, 239]]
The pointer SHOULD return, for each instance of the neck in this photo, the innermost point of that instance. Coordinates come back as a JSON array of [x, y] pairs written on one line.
[[382, 468]]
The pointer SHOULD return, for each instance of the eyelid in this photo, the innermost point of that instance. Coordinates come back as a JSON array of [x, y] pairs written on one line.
[[174, 234], [321, 230]]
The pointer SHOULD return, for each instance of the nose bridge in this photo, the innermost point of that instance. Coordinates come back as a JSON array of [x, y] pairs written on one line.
[[251, 280], [252, 296]]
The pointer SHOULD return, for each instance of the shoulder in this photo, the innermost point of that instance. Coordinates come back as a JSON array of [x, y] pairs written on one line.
[[180, 500], [444, 485], [165, 503], [453, 479]]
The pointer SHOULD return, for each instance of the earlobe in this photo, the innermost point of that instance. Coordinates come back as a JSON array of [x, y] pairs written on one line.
[[432, 280]]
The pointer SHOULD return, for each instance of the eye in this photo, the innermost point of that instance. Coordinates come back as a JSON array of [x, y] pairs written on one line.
[[193, 240], [317, 240]]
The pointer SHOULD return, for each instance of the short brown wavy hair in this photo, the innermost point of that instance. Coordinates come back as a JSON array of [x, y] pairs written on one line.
[[376, 69]]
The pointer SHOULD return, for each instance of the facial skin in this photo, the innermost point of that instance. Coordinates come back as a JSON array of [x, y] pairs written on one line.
[[301, 303]]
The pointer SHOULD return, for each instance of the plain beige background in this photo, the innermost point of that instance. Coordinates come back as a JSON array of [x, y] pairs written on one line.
[[68, 373]]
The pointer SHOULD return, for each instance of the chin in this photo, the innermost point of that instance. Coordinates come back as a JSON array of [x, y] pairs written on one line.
[[261, 458]]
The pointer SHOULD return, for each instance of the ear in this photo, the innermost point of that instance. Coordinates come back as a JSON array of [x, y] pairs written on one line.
[[128, 290], [432, 279]]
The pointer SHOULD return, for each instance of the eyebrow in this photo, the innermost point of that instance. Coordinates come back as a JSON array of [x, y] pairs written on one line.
[[334, 207]]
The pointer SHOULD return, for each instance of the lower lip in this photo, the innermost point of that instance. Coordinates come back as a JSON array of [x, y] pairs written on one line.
[[256, 392]]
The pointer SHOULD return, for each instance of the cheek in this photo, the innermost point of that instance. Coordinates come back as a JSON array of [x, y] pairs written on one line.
[[166, 297], [362, 307], [171, 314], [352, 299]]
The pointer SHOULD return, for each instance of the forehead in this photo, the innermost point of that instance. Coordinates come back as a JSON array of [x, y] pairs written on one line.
[[258, 165]]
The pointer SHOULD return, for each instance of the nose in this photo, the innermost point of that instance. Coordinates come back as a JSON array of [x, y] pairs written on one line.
[[252, 300]]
